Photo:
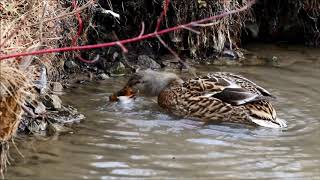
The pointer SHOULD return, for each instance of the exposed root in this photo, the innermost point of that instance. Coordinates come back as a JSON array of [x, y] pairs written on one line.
[[215, 36]]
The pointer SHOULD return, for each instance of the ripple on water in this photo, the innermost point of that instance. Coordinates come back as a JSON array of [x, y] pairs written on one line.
[[135, 172], [110, 165]]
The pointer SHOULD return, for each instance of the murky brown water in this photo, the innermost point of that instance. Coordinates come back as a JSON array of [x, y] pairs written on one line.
[[140, 141]]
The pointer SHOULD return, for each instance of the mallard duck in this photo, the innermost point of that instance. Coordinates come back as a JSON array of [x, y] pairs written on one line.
[[215, 97]]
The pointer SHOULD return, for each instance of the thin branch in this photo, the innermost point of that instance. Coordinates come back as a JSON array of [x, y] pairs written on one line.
[[27, 110], [124, 49], [142, 29], [41, 21], [76, 37], [191, 29], [207, 24], [192, 71]]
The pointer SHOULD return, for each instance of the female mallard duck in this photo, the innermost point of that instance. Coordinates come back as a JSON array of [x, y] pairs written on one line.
[[216, 97]]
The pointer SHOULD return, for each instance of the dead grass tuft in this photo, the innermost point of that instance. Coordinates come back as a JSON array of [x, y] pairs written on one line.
[[15, 89]]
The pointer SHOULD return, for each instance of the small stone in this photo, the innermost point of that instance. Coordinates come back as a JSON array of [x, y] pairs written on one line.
[[229, 53], [40, 109], [56, 101], [274, 58], [3, 92], [103, 76], [53, 102], [71, 65], [57, 87], [240, 54], [118, 68], [36, 126], [54, 128], [115, 55], [145, 61]]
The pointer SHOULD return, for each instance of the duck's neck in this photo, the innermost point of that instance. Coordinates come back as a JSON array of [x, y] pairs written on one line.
[[157, 82]]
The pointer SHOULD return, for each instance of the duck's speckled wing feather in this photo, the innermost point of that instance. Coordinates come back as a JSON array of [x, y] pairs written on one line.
[[229, 88], [242, 82]]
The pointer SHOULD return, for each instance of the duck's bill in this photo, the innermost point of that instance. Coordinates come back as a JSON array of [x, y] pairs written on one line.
[[126, 99], [124, 95]]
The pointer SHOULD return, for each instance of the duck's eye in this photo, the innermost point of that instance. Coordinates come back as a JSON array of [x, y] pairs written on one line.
[[133, 82]]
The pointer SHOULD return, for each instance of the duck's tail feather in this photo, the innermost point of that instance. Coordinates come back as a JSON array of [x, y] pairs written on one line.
[[277, 123]]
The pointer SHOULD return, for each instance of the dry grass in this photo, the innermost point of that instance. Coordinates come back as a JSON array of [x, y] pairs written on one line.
[[22, 29], [15, 89], [17, 35]]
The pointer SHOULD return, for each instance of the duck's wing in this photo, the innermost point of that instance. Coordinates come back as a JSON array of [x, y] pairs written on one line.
[[238, 96], [225, 89], [243, 83]]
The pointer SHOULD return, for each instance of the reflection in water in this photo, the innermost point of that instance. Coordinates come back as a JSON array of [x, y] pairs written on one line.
[[141, 141]]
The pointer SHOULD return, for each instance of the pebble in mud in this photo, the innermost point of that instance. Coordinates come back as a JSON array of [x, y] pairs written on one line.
[[54, 128], [103, 76], [40, 109], [53, 102], [71, 65], [57, 87], [145, 61], [56, 101], [118, 68]]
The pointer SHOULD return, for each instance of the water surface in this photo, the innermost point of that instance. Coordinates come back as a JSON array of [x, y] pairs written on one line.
[[141, 141]]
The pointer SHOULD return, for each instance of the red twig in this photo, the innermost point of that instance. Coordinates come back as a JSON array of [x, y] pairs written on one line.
[[163, 14], [134, 39], [76, 37], [124, 49]]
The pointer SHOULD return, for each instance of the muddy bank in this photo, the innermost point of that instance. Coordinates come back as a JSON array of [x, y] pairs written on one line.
[[267, 21], [273, 21]]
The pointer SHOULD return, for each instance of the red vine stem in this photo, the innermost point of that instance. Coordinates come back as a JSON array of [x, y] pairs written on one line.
[[76, 37], [134, 39], [163, 14]]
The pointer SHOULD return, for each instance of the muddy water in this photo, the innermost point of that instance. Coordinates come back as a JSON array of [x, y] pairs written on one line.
[[140, 141]]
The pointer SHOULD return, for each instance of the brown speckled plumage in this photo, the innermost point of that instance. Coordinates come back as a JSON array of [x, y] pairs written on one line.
[[216, 97]]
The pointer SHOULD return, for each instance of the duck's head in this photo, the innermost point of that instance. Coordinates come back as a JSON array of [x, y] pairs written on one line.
[[151, 83], [125, 95]]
